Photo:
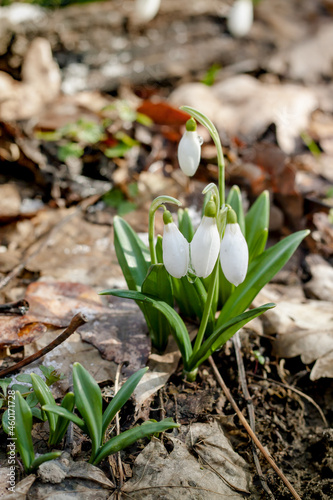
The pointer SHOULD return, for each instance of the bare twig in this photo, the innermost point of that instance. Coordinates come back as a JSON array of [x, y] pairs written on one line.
[[297, 391], [250, 408], [78, 320], [250, 431], [48, 236], [20, 308]]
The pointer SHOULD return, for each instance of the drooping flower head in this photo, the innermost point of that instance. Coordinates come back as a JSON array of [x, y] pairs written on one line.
[[189, 149], [234, 253], [240, 18], [205, 246], [175, 248]]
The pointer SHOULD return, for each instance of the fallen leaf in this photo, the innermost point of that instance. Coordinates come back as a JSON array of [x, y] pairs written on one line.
[[320, 286], [163, 114], [157, 473], [244, 106], [308, 60], [21, 488]]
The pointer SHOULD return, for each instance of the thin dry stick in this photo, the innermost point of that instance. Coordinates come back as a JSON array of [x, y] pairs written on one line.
[[297, 391], [78, 320], [250, 431], [250, 407], [120, 465], [48, 235]]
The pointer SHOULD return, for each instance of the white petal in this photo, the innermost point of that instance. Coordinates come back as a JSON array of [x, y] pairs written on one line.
[[146, 10], [240, 18], [234, 254], [205, 247], [189, 153], [175, 251]]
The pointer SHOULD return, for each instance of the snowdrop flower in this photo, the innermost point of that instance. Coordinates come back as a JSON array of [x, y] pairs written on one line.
[[205, 246], [175, 248], [146, 10], [189, 149], [234, 253], [240, 18]]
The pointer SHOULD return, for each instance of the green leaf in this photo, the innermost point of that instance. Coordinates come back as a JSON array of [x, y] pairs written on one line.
[[88, 400], [117, 151], [5, 422], [223, 333], [63, 412], [45, 397], [261, 271], [51, 375], [129, 437], [4, 383], [37, 413], [24, 377], [157, 283], [235, 201], [44, 458], [133, 256], [23, 389], [185, 224], [177, 325], [71, 149], [257, 222], [22, 430], [123, 395], [32, 399], [67, 403]]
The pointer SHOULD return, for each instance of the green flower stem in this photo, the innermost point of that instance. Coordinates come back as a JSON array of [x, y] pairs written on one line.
[[206, 312], [156, 204], [201, 118]]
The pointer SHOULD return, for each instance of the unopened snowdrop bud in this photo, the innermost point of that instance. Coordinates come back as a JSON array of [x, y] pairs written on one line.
[[240, 18], [189, 149], [175, 248], [234, 253], [146, 10], [205, 246]]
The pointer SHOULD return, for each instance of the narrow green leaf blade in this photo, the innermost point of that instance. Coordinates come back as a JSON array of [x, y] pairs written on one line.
[[88, 400], [177, 325], [44, 458], [68, 404], [256, 221], [45, 397], [133, 256], [260, 272], [63, 412], [185, 224], [235, 201], [22, 430], [131, 436], [121, 397], [223, 333], [157, 283]]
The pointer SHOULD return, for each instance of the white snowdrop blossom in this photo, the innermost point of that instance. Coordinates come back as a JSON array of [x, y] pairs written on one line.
[[205, 247], [146, 10], [234, 254], [240, 18], [189, 149], [175, 251]]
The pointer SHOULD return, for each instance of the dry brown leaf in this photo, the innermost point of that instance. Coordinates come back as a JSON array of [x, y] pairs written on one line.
[[21, 488], [320, 285], [40, 84], [244, 106], [157, 472]]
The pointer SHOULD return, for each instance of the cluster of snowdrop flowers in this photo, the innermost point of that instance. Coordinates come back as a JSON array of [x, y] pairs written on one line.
[[200, 255]]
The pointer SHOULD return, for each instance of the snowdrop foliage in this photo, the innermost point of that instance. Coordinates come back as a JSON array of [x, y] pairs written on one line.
[[189, 149], [175, 248], [240, 18], [234, 254]]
